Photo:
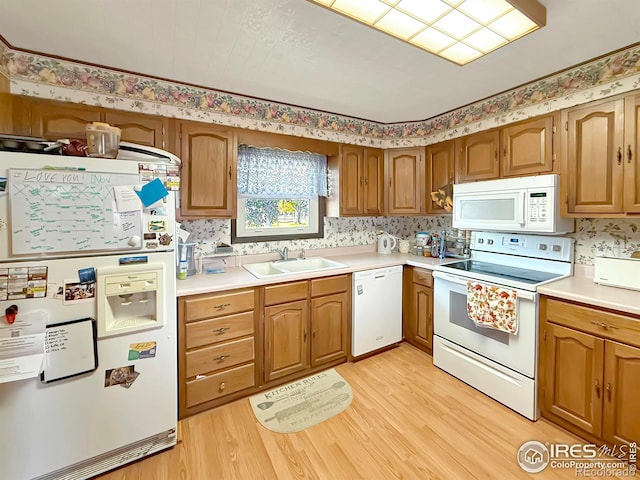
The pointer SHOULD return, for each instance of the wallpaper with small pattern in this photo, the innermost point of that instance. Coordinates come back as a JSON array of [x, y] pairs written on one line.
[[593, 237]]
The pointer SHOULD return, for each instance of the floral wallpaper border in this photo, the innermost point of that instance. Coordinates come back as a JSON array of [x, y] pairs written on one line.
[[46, 77], [43, 76]]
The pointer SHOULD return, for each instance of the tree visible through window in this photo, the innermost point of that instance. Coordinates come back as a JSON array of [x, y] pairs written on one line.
[[275, 213], [279, 195]]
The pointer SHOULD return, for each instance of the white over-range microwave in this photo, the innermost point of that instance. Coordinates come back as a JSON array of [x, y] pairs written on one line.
[[523, 204]]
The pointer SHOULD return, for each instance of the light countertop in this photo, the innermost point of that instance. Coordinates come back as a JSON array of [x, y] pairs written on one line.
[[582, 289], [238, 277], [578, 288]]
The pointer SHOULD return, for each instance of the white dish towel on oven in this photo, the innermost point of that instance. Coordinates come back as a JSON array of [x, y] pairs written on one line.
[[492, 307]]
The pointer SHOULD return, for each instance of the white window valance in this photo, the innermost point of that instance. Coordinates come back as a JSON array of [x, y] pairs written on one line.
[[273, 172]]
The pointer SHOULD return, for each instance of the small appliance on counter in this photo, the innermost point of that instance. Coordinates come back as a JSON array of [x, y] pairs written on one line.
[[617, 272], [386, 243]]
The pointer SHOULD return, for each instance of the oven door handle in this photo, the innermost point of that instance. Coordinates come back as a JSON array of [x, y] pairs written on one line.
[[522, 294]]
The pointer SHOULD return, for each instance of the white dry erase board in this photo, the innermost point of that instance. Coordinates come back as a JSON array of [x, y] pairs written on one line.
[[70, 349], [69, 211]]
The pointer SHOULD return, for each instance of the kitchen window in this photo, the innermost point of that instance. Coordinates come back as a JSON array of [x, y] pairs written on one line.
[[279, 195]]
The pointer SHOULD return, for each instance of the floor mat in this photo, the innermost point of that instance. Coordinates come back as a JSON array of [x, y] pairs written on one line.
[[303, 403]]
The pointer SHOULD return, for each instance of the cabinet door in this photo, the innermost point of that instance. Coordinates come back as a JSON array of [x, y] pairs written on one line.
[[632, 165], [404, 174], [621, 418], [55, 120], [209, 171], [139, 128], [573, 387], [594, 168], [352, 180], [440, 168], [329, 334], [286, 346], [422, 312], [528, 147], [372, 168], [479, 159]]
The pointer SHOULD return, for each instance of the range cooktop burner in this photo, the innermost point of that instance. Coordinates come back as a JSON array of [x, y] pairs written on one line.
[[502, 271]]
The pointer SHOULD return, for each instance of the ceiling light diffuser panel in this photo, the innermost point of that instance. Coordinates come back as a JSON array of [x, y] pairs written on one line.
[[457, 30]]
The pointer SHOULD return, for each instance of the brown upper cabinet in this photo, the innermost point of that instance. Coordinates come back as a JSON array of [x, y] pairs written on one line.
[[519, 149], [54, 120], [479, 156], [440, 171], [359, 181], [142, 129], [600, 172], [404, 180], [529, 147], [209, 156]]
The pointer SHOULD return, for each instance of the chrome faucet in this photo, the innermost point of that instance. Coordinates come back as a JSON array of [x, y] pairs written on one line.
[[284, 253]]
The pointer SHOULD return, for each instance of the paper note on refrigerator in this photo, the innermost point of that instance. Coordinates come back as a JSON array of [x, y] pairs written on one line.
[[22, 346], [127, 199]]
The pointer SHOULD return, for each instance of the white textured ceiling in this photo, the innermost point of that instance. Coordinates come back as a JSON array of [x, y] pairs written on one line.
[[295, 52]]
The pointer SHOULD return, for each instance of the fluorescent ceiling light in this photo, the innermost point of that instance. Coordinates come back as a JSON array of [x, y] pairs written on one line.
[[458, 30]]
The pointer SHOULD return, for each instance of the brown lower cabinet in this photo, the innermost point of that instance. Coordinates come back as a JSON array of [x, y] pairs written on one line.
[[590, 371], [236, 343], [418, 307], [216, 349], [306, 325]]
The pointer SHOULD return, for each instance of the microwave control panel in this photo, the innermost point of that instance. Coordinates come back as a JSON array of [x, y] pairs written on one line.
[[539, 207]]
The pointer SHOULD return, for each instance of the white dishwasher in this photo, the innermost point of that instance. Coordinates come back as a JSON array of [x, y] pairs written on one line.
[[377, 309]]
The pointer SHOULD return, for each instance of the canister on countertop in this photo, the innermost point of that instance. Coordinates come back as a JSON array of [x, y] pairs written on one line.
[[421, 239]]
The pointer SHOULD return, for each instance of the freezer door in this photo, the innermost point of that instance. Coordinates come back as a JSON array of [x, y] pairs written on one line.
[[50, 426]]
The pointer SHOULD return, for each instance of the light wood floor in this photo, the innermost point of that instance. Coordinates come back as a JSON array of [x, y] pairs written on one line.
[[408, 420]]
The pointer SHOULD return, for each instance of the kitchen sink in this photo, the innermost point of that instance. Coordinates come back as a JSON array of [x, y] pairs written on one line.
[[281, 268]]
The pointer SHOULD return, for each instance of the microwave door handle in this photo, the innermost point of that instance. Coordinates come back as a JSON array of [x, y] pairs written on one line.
[[523, 218]]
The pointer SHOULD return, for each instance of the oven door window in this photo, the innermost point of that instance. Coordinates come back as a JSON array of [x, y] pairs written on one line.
[[451, 322], [459, 317]]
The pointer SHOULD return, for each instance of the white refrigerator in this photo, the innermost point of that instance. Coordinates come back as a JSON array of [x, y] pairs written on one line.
[[88, 361]]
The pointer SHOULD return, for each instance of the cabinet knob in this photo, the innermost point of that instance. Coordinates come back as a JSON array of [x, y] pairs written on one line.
[[221, 330], [221, 358], [629, 154], [608, 389], [221, 306], [222, 385], [619, 155], [597, 388]]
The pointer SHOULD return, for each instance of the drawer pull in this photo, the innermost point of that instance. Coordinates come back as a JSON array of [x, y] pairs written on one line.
[[604, 325], [221, 330], [222, 385], [608, 388], [221, 306], [221, 358], [597, 388]]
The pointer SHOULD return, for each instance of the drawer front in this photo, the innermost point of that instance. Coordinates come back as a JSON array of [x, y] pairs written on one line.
[[218, 357], [603, 324], [423, 277], [329, 285], [285, 292], [219, 329], [213, 306], [219, 384]]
